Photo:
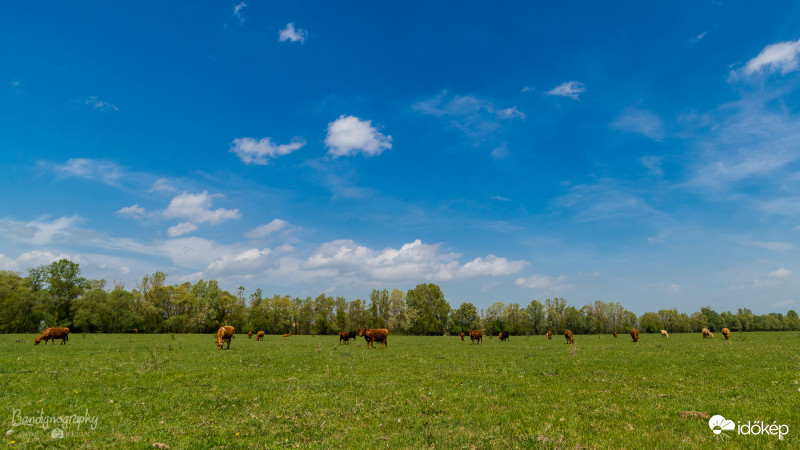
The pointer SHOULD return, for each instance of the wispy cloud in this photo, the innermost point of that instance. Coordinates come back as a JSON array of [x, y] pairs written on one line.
[[92, 169], [268, 228], [571, 89], [100, 105], [289, 33], [252, 151], [640, 121], [545, 283], [476, 117], [237, 11], [132, 212], [350, 135]]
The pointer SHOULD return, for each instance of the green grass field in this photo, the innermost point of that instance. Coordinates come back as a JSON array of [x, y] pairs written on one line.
[[423, 392]]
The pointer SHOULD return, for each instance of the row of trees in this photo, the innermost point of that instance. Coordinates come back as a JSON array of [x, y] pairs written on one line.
[[57, 295]]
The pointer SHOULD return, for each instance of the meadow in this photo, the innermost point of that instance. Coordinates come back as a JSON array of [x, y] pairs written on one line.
[[423, 392]]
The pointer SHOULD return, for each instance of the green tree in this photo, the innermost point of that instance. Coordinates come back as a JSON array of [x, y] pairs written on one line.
[[427, 299], [18, 311], [464, 319], [536, 316]]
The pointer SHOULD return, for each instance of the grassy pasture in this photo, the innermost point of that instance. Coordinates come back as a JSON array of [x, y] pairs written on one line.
[[423, 392]]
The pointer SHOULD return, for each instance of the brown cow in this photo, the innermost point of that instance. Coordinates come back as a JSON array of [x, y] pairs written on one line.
[[286, 335], [614, 333], [568, 337], [727, 333], [549, 335], [504, 335], [475, 335], [260, 336], [707, 334], [664, 334], [135, 330], [635, 334], [249, 335], [374, 334], [462, 336], [53, 333], [224, 334]]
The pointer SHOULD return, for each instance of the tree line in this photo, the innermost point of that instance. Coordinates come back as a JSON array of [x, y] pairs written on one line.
[[57, 295]]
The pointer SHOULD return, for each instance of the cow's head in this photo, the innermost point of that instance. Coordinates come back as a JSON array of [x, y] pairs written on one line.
[[361, 331], [36, 341]]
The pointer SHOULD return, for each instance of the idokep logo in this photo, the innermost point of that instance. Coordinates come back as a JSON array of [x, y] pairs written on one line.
[[718, 424]]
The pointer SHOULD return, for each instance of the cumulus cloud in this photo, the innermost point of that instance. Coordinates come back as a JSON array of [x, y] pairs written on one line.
[[780, 57], [243, 264], [571, 89], [252, 151], [132, 212], [644, 122], [350, 135], [181, 229], [413, 261], [162, 185], [266, 229], [289, 33], [197, 209], [545, 283]]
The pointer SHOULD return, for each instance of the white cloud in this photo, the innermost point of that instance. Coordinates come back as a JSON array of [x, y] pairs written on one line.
[[181, 229], [252, 151], [100, 104], [412, 262], [266, 229], [7, 263], [545, 283], [604, 200], [500, 152], [571, 89], [350, 135], [162, 185], [781, 57], [40, 232], [780, 273], [237, 11], [289, 33], [133, 212], [242, 264], [644, 122], [653, 164], [478, 118], [197, 209], [92, 169]]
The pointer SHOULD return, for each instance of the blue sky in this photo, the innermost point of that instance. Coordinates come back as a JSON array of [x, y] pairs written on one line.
[[640, 153]]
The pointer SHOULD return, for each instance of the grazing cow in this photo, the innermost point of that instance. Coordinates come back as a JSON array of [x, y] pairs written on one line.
[[568, 337], [374, 334], [727, 333], [475, 335], [549, 335], [664, 334], [53, 333], [259, 335], [224, 334], [249, 335], [135, 330], [286, 335], [504, 335], [614, 333], [707, 334], [462, 336], [347, 335], [635, 334]]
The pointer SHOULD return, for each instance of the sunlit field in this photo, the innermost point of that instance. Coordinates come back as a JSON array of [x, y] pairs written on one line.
[[423, 392]]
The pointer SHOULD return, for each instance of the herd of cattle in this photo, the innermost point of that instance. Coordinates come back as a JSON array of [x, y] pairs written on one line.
[[371, 335]]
